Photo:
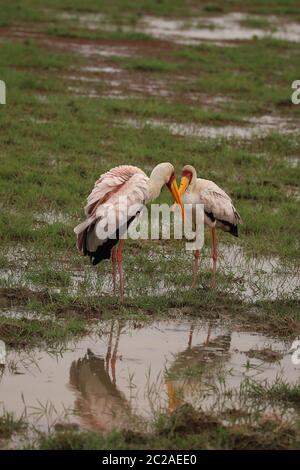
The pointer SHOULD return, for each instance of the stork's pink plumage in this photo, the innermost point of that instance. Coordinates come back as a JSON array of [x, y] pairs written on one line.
[[108, 195], [117, 182]]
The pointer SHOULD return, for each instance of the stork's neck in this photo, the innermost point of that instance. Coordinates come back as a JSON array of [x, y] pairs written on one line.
[[193, 182], [155, 187], [160, 175]]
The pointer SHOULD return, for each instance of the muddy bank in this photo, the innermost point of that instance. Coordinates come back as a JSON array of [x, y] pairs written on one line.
[[11, 296]]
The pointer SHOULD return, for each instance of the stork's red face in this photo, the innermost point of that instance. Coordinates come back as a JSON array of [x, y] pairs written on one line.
[[186, 178], [172, 185]]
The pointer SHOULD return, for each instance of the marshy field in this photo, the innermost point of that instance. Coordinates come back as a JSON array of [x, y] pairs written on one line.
[[95, 84]]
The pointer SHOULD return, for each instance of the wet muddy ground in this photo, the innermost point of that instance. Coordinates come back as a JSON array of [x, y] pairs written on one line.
[[255, 277]]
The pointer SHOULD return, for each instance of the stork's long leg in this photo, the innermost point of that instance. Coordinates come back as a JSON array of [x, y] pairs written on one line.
[[114, 270], [214, 274], [195, 266], [214, 241], [120, 253]]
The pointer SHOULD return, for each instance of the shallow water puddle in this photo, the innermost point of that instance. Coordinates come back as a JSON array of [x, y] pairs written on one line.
[[292, 162], [258, 127], [89, 49], [101, 69], [51, 216], [88, 20], [261, 277], [116, 83], [20, 314], [228, 27], [124, 374]]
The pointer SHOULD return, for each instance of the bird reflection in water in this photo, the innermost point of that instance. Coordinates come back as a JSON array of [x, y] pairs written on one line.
[[192, 368], [100, 404]]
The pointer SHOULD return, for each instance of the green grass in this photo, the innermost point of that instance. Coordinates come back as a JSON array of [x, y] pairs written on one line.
[[279, 392], [257, 23], [258, 74], [184, 429], [9, 425], [48, 276], [28, 54], [116, 35], [24, 333], [18, 11], [157, 108], [148, 65]]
